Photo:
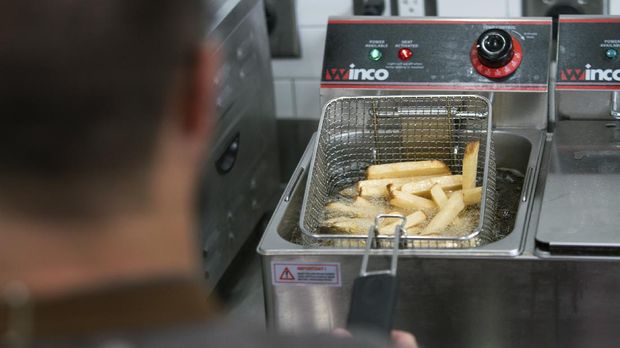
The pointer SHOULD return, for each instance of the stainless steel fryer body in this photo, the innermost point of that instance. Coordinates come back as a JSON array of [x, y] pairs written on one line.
[[505, 294], [471, 302]]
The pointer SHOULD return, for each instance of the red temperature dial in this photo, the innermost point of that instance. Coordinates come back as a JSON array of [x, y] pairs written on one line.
[[405, 54], [496, 54]]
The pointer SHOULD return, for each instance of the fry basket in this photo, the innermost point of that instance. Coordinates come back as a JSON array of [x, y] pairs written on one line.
[[356, 132]]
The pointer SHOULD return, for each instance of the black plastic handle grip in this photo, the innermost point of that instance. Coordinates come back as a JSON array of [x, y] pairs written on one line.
[[373, 303], [227, 160]]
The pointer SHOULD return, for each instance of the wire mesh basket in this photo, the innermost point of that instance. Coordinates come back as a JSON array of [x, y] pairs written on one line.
[[356, 132]]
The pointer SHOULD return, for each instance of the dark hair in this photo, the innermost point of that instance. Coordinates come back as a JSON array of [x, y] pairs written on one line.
[[83, 82]]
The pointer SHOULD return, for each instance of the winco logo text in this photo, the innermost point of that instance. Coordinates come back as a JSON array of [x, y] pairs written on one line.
[[335, 74], [589, 74]]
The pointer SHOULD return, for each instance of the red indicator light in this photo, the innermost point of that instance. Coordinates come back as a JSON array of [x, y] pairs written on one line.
[[405, 53]]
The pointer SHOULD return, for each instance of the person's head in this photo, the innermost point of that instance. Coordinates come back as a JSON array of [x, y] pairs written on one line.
[[99, 100]]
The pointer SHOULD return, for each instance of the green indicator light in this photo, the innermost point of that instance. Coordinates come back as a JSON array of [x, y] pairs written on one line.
[[375, 54], [611, 53]]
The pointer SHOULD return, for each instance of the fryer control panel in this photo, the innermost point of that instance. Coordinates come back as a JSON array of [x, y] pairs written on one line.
[[437, 54], [588, 53]]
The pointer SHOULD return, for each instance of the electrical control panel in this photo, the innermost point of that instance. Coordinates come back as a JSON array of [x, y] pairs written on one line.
[[587, 83], [588, 53], [437, 54]]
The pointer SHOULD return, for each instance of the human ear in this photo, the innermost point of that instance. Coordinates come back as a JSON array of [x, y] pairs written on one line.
[[199, 115]]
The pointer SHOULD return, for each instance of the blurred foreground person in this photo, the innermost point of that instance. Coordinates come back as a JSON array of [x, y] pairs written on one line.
[[105, 109]]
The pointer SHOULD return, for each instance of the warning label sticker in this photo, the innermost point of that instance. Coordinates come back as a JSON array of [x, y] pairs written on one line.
[[305, 273]]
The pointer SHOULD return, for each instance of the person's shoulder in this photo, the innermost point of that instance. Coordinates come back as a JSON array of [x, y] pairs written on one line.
[[212, 336], [255, 337]]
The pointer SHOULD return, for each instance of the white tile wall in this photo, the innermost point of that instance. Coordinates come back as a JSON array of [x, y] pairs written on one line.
[[316, 12], [285, 103], [304, 71], [472, 8], [312, 41], [307, 98], [614, 7], [514, 8]]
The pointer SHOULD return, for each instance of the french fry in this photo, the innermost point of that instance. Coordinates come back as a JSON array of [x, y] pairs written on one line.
[[406, 169], [439, 196], [377, 188], [414, 231], [373, 191], [362, 203], [340, 219], [412, 220], [346, 226], [470, 165], [471, 196], [408, 201], [349, 191], [340, 208], [445, 216], [396, 182], [447, 182]]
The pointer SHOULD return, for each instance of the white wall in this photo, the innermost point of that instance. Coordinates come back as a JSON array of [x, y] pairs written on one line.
[[614, 7], [297, 80]]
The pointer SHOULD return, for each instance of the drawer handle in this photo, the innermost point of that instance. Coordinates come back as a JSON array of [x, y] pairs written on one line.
[[227, 160]]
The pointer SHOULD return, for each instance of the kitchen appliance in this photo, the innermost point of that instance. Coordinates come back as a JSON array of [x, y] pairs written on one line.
[[240, 182], [584, 173], [491, 295]]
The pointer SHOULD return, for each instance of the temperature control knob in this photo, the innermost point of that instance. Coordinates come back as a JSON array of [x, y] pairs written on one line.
[[494, 48], [496, 54]]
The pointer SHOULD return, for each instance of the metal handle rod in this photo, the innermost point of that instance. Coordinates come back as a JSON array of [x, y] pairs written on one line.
[[372, 234], [615, 104]]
